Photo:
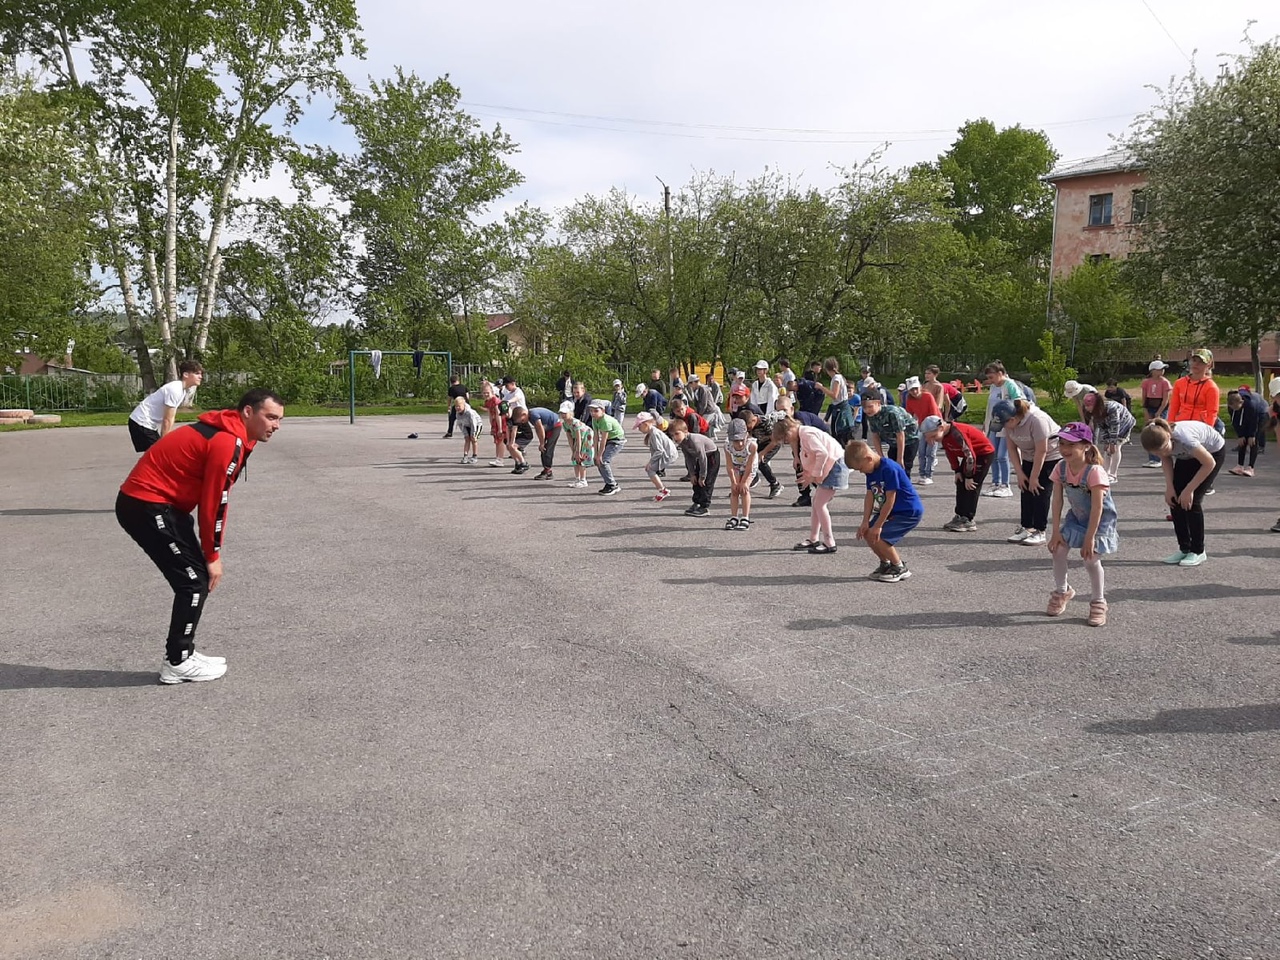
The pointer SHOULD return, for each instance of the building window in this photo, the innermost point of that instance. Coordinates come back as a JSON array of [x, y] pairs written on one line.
[[1138, 210], [1097, 258], [1100, 210]]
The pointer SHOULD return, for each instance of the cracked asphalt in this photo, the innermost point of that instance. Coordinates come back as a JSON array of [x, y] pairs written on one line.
[[472, 715]]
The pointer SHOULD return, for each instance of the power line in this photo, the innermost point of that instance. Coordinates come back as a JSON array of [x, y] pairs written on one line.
[[1175, 43]]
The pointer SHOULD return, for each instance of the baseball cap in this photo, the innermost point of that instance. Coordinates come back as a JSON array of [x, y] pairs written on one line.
[[737, 429], [1072, 388], [1076, 432], [641, 389], [644, 416], [617, 383], [871, 395], [1156, 365], [694, 378], [911, 383], [866, 368], [597, 405], [762, 364], [566, 407], [930, 423], [1002, 413], [1204, 355]]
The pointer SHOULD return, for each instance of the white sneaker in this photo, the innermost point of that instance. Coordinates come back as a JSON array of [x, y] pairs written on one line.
[[191, 670], [496, 463], [1018, 535], [1035, 539], [207, 658], [1152, 465], [926, 481], [988, 491], [1002, 491]]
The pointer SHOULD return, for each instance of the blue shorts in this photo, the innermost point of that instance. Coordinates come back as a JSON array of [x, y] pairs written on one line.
[[898, 526]]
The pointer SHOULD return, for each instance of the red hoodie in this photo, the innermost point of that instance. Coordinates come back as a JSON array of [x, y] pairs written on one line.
[[195, 466]]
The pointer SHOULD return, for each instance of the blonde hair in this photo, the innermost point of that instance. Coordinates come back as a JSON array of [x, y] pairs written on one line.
[[784, 428], [855, 452], [1156, 434]]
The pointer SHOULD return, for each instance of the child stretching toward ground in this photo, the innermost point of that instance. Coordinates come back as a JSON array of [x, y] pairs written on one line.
[[702, 461], [581, 440], [819, 459], [471, 426], [742, 453], [891, 510], [1091, 519], [662, 452], [497, 421], [970, 452]]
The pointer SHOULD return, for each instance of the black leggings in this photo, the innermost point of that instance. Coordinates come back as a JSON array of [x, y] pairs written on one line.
[[1251, 449], [168, 537], [967, 500], [1035, 506], [1189, 524]]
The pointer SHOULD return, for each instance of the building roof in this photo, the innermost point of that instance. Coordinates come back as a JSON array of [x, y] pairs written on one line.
[[1117, 161], [497, 321]]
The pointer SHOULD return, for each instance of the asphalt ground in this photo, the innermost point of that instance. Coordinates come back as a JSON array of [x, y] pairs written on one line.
[[473, 715]]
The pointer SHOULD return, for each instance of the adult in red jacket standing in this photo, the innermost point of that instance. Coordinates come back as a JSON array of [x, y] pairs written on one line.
[[193, 468]]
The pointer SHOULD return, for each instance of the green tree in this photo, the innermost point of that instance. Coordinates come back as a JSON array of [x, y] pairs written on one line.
[[1210, 248], [179, 103], [1051, 371], [421, 190]]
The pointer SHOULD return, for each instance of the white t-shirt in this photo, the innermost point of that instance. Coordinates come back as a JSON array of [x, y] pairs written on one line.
[[150, 412], [1189, 434], [514, 397]]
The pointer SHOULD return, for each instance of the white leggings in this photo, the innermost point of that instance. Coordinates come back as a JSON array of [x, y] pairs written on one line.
[[1092, 567]]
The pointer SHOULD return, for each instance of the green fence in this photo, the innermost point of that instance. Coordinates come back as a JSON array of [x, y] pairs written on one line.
[[90, 393]]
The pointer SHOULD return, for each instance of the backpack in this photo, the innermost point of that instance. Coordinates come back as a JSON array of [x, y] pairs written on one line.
[[959, 406], [1025, 391]]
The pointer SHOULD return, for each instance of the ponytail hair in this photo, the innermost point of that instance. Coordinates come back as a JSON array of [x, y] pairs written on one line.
[[1021, 407], [1092, 455], [995, 366], [1156, 434]]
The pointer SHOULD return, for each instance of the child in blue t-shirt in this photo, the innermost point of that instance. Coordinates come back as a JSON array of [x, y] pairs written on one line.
[[891, 510]]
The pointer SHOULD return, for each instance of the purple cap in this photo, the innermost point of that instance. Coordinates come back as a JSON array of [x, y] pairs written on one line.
[[1076, 433]]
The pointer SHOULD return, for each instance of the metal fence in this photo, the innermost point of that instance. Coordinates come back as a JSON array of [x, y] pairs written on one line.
[[87, 393]]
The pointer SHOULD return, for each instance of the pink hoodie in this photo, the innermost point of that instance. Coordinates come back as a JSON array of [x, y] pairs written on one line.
[[819, 452]]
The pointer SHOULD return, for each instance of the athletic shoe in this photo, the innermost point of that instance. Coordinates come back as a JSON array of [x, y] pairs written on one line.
[[1210, 493], [1193, 559], [208, 659], [447, 436], [1002, 491], [697, 510], [895, 573], [925, 481], [1035, 539], [610, 490], [496, 463], [1152, 465], [686, 479], [544, 475], [955, 524], [465, 460], [731, 523], [1097, 613], [1275, 527], [191, 670], [1176, 558], [1018, 535], [880, 570], [1248, 472], [517, 469], [774, 490], [664, 493], [581, 484], [522, 468], [1238, 471], [1058, 602], [804, 501], [989, 492], [754, 481], [968, 526]]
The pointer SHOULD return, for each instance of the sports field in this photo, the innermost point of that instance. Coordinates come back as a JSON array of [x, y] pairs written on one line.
[[472, 715]]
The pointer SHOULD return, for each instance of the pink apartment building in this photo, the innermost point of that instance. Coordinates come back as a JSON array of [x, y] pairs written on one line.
[[1097, 210]]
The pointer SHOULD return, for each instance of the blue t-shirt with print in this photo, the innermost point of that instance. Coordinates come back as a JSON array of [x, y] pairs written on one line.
[[890, 476]]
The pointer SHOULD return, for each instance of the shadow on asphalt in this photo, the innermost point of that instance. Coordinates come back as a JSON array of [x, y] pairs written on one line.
[[1271, 641], [1191, 591], [18, 676], [1249, 718], [48, 512], [932, 620], [754, 582]]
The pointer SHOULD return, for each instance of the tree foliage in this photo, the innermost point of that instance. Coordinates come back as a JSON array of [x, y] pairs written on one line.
[[1211, 246]]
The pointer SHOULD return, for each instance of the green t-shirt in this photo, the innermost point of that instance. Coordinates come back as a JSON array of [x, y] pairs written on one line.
[[890, 421], [610, 427]]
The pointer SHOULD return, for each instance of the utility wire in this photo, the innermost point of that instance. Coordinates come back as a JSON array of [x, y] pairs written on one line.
[[1175, 43]]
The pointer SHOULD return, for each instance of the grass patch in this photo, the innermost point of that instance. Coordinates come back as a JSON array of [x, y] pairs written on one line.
[[75, 418]]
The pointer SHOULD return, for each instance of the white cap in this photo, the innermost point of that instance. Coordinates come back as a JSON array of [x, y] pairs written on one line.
[[641, 389], [912, 382], [1072, 388], [1156, 365], [617, 383], [566, 407], [762, 364]]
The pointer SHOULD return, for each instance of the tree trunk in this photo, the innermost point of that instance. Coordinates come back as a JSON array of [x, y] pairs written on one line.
[[170, 311], [1255, 356]]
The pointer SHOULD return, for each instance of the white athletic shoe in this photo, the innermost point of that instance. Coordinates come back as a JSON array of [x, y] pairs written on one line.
[[1002, 491], [1018, 535], [191, 670], [206, 657], [1035, 539], [496, 463], [989, 491], [925, 481]]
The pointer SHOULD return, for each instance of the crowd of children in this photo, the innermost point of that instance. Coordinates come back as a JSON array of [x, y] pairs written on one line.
[[1063, 474]]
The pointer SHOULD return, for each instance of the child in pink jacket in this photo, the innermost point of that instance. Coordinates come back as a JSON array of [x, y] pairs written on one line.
[[820, 462]]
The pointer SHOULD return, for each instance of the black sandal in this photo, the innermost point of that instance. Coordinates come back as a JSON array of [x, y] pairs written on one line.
[[822, 548], [805, 545]]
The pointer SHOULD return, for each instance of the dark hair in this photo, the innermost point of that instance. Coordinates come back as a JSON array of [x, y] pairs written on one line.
[[784, 362], [454, 379], [995, 366], [1111, 382], [932, 368], [257, 397], [190, 366]]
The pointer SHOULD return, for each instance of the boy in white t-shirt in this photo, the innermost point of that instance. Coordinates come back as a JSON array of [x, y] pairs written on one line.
[[155, 415]]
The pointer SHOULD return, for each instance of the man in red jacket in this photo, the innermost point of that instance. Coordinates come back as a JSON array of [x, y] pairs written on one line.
[[193, 468]]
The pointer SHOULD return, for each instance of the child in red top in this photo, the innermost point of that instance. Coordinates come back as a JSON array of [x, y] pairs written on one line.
[[497, 421], [1196, 397], [970, 453], [922, 405]]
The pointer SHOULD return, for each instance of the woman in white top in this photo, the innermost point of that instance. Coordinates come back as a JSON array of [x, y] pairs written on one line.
[[1191, 454], [839, 413], [1033, 442]]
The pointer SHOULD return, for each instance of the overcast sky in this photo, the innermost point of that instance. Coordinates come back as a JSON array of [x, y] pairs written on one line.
[[602, 94]]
